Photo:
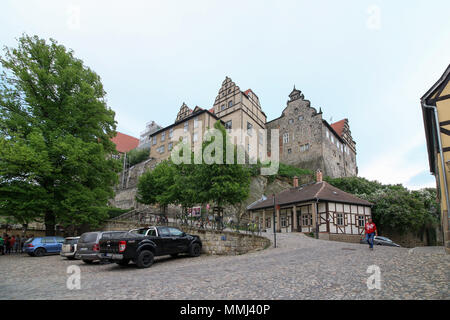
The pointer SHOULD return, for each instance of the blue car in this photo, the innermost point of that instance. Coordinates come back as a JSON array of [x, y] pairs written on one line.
[[39, 246]]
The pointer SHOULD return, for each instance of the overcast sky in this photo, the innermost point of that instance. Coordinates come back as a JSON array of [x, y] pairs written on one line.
[[368, 61]]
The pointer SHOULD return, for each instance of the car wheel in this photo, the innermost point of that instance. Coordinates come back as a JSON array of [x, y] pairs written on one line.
[[88, 261], [39, 252], [123, 262], [174, 255], [144, 259], [195, 250]]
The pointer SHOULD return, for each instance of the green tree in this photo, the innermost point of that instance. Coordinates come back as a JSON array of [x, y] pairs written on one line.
[[156, 186], [221, 183], [396, 209], [55, 131], [136, 156]]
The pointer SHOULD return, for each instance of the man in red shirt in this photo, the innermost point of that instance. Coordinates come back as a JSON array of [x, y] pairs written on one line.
[[371, 232]]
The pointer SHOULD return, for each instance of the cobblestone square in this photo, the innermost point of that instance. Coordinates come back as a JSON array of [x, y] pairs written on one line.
[[300, 268]]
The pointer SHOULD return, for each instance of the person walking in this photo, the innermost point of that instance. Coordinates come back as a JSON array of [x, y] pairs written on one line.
[[6, 239], [371, 231], [2, 246], [12, 242]]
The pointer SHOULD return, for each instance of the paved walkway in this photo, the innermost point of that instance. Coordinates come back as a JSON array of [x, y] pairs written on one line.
[[301, 268]]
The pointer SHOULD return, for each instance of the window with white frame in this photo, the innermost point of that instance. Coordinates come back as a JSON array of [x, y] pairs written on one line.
[[163, 136], [154, 140], [306, 219], [283, 221], [286, 137], [328, 134], [268, 223], [360, 221], [196, 122], [195, 137], [340, 219], [261, 138], [229, 125], [170, 146], [186, 126], [170, 133], [332, 139], [304, 147], [249, 129]]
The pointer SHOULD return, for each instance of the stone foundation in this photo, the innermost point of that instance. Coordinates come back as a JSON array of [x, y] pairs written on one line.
[[214, 242]]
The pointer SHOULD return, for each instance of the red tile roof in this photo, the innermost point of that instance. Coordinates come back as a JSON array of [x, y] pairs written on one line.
[[322, 191], [339, 126], [124, 142], [211, 110]]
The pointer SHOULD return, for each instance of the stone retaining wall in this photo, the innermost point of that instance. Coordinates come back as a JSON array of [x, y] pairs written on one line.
[[228, 243], [214, 242]]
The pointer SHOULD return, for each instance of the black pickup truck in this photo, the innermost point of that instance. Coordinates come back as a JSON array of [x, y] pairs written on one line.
[[142, 245]]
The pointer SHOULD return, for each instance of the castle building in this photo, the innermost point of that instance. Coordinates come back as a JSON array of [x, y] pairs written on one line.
[[144, 140], [243, 117], [308, 141], [189, 124]]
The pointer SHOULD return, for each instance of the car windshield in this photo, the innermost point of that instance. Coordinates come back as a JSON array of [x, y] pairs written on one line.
[[70, 241], [88, 237], [111, 235], [139, 231]]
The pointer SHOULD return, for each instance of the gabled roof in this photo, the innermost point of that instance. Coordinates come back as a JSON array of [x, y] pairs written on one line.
[[124, 142], [429, 99], [339, 126], [191, 115], [319, 191], [443, 80]]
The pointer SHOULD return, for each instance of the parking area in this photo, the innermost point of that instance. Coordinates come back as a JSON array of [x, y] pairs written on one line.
[[300, 268]]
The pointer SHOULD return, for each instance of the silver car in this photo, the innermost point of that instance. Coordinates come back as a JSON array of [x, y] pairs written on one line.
[[69, 247], [381, 241]]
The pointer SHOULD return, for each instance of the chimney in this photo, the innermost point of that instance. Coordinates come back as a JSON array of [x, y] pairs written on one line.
[[295, 182], [318, 175]]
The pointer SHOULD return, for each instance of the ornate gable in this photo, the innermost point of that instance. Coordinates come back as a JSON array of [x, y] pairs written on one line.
[[295, 95], [228, 89], [184, 112]]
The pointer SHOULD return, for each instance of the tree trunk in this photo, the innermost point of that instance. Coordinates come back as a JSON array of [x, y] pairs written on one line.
[[50, 222]]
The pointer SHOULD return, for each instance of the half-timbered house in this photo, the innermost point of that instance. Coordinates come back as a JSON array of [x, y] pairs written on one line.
[[317, 207]]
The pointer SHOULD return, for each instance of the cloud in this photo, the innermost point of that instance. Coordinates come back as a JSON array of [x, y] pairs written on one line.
[[399, 165]]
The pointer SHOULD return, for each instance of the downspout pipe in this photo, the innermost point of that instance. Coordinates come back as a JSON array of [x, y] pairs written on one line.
[[444, 174]]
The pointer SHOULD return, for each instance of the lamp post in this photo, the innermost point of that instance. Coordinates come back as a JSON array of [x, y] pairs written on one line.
[[274, 222]]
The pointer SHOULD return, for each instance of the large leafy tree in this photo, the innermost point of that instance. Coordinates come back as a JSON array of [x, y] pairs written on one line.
[[156, 186], [222, 183], [396, 209], [55, 131], [197, 182]]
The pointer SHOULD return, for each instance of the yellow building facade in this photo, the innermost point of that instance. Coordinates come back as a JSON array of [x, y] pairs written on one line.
[[436, 117]]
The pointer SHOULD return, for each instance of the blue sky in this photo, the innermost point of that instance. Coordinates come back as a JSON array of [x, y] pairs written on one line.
[[368, 61]]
